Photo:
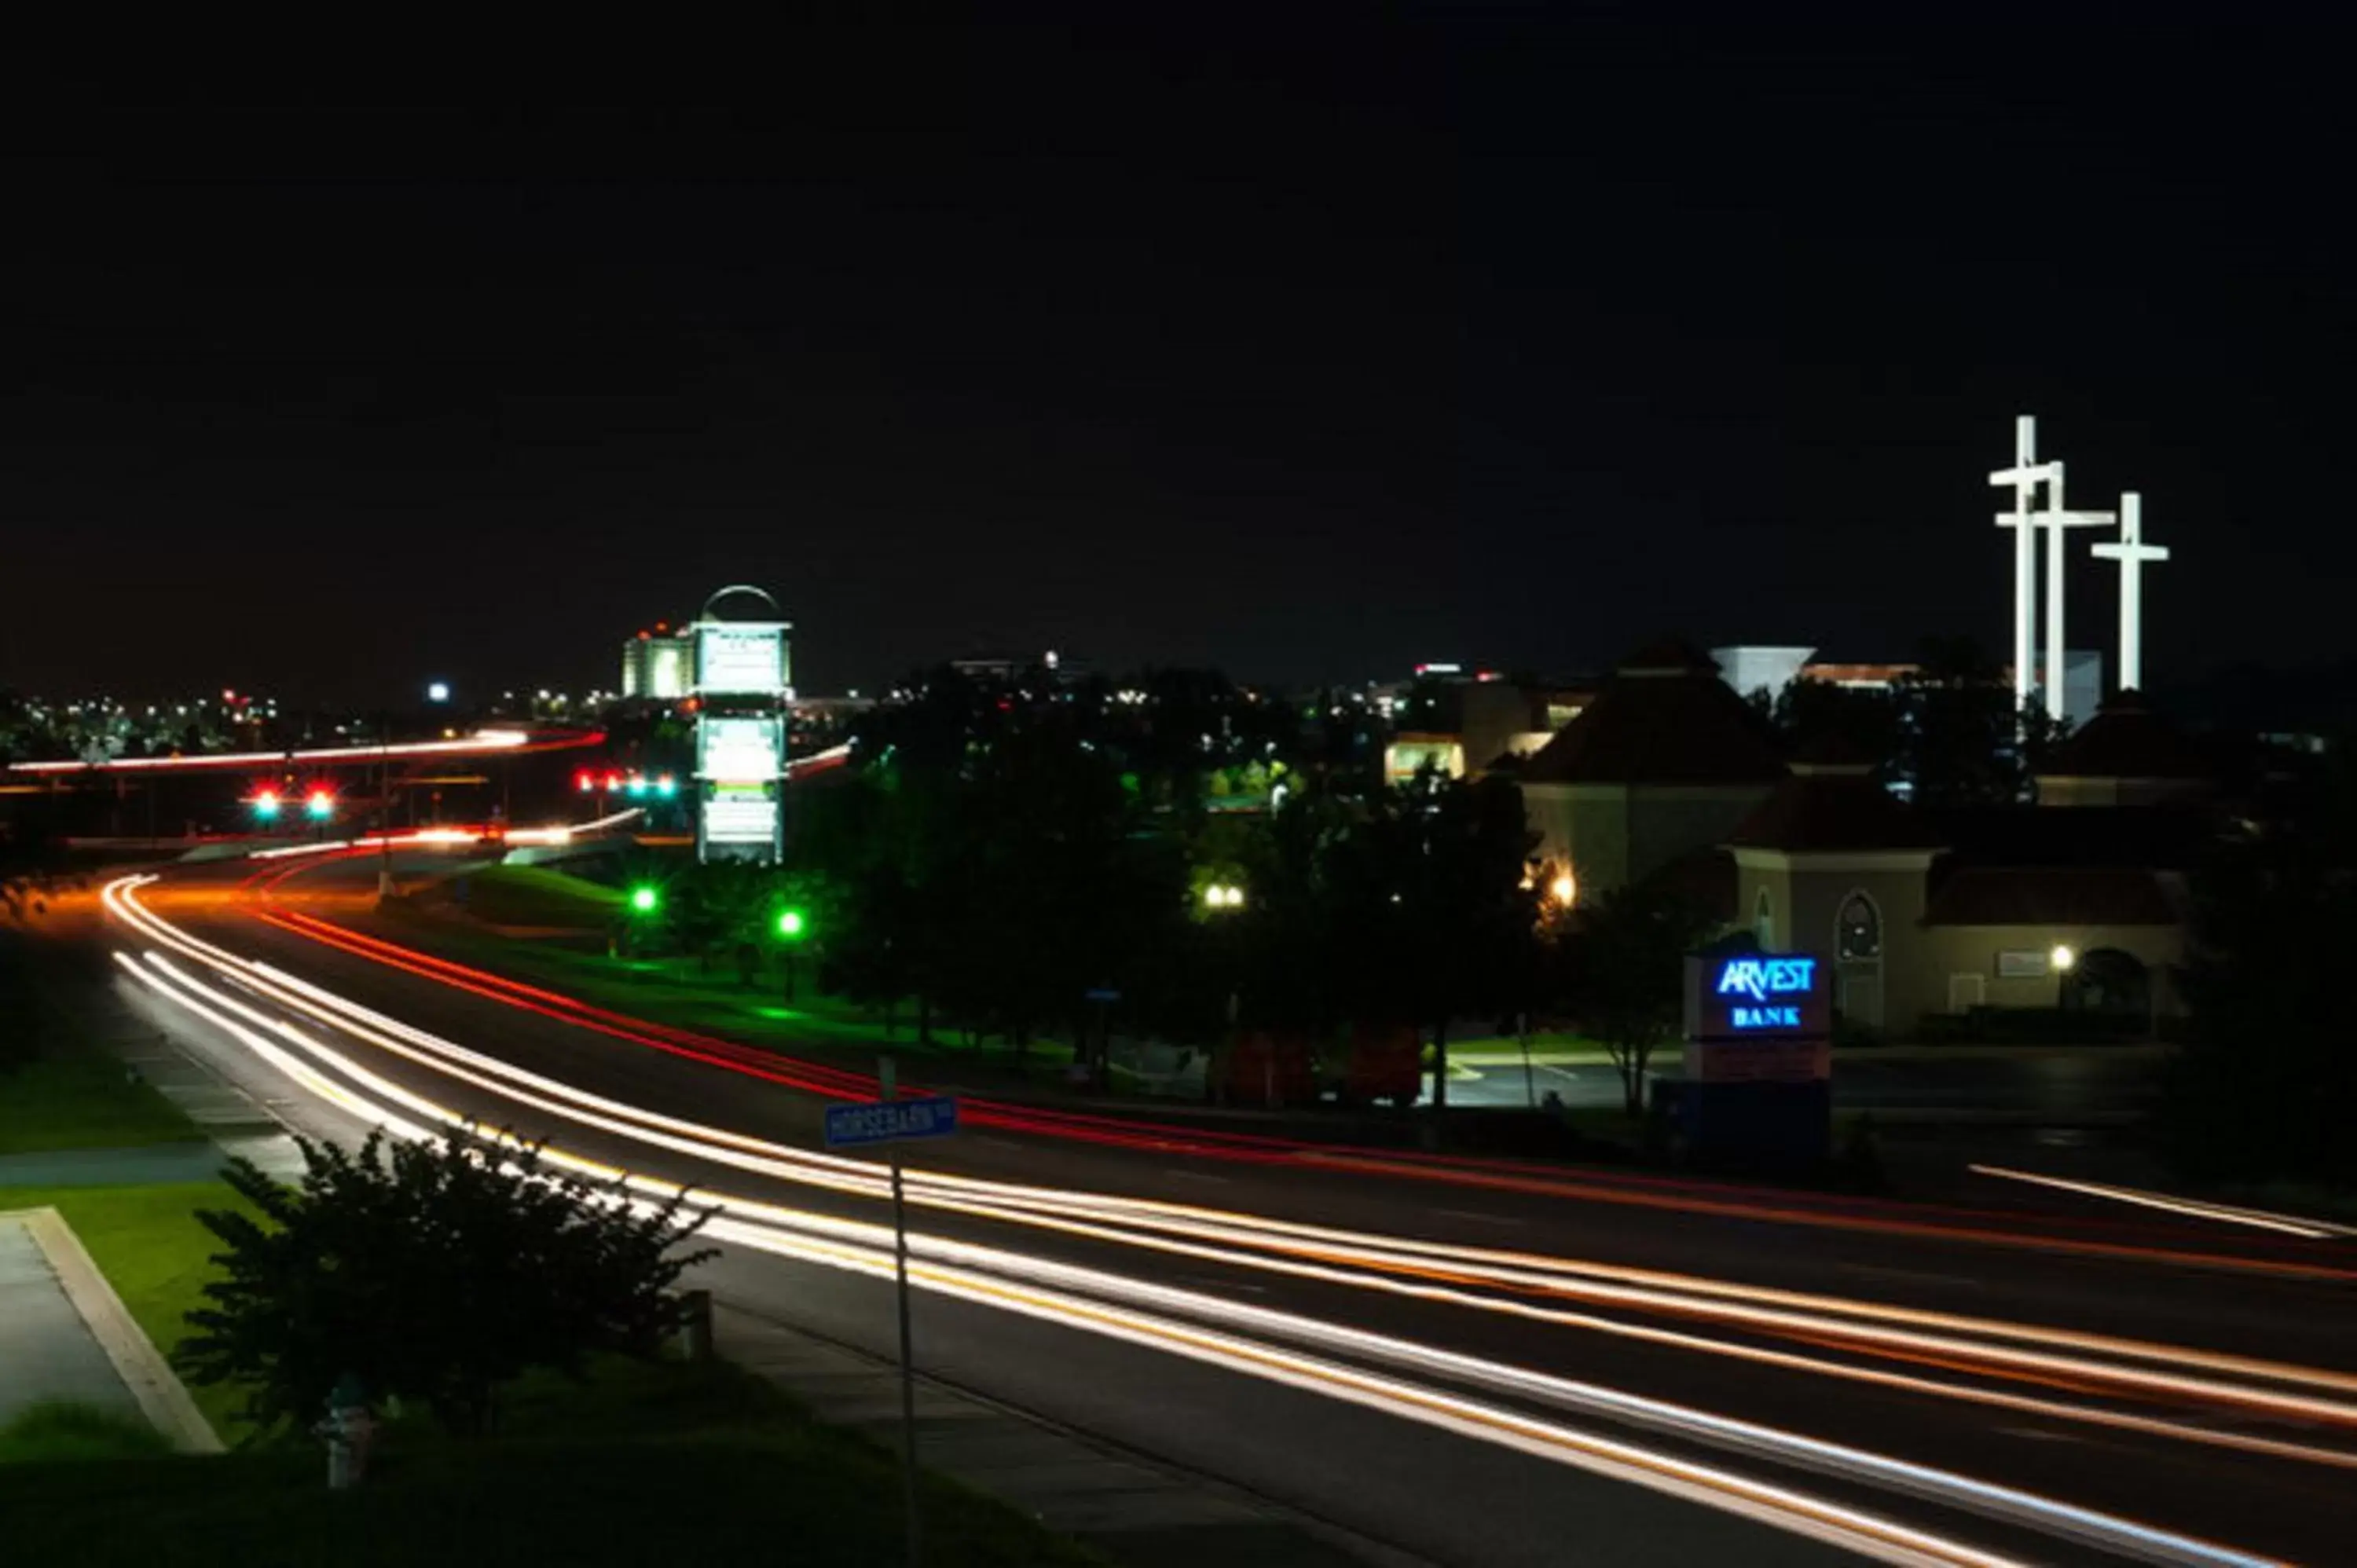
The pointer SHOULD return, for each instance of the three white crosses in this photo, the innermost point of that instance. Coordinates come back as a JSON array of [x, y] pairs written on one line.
[[2131, 552]]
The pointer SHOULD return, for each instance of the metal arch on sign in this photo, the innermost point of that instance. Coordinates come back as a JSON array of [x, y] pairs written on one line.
[[766, 597]]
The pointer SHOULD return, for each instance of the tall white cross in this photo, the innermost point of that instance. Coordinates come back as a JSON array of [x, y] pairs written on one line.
[[2025, 476], [2056, 519], [2131, 552]]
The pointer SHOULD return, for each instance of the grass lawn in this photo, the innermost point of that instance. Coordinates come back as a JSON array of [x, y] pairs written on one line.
[[146, 1242], [535, 896], [61, 1429], [676, 991], [646, 1463], [79, 1101]]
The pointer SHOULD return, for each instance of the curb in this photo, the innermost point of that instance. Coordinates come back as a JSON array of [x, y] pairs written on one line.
[[162, 1398]]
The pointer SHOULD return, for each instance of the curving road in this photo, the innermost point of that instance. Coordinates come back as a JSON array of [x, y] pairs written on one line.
[[1472, 1361]]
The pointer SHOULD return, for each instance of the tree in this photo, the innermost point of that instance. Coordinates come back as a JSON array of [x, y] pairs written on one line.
[[1821, 718], [2263, 1086], [1961, 740], [1434, 918], [435, 1273], [1622, 968]]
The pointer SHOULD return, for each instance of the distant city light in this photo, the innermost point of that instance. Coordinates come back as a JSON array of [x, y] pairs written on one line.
[[437, 691]]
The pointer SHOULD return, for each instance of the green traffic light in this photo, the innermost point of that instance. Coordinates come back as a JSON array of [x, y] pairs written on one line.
[[791, 925], [645, 900]]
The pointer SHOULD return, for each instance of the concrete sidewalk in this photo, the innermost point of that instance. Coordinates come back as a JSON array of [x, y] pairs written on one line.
[[1133, 1511], [65, 1334]]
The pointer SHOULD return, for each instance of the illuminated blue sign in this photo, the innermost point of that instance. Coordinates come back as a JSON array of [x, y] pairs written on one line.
[[1765, 992], [1760, 978]]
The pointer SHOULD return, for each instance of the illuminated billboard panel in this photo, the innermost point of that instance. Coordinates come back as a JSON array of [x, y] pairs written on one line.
[[740, 748], [740, 815], [740, 659]]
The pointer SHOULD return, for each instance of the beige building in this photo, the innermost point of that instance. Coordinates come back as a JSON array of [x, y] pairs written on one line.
[[1670, 777], [1494, 722], [1832, 864], [2126, 756], [1665, 761], [1912, 929]]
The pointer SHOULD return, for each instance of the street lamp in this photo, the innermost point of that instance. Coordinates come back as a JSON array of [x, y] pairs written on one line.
[[1565, 889], [2063, 959], [792, 927], [1223, 895]]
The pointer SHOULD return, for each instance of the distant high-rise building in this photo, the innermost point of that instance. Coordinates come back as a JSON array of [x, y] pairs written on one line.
[[1751, 667], [659, 664]]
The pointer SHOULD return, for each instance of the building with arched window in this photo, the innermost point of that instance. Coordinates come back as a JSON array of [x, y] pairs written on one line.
[[1846, 866], [2009, 908], [1663, 763], [1669, 778]]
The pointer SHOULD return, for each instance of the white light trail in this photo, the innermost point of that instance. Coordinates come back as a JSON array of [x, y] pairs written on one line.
[[285, 852], [480, 741], [1216, 1235], [1179, 1228], [2260, 1218]]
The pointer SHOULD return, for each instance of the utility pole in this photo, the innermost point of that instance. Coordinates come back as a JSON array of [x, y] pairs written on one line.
[[888, 1090], [384, 808]]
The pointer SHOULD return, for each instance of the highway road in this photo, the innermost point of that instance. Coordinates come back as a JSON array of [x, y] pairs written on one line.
[[2064, 1089], [1472, 1361]]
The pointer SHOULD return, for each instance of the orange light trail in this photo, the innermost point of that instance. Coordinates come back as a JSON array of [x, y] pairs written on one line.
[[1669, 1194], [1231, 1335]]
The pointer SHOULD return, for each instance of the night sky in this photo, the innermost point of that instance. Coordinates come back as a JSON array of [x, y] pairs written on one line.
[[1308, 354]]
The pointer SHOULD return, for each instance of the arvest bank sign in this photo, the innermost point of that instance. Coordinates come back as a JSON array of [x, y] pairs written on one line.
[[1758, 1016]]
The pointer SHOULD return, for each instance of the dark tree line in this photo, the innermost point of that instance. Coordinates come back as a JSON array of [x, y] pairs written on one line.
[[997, 854], [2266, 1084], [1949, 732]]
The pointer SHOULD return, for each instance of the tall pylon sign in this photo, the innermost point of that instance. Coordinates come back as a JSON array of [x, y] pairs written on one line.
[[743, 682]]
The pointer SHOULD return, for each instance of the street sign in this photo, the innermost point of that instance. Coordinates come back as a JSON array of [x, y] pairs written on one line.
[[884, 1121]]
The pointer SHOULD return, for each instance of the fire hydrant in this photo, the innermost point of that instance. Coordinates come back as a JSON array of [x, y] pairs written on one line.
[[350, 1428]]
